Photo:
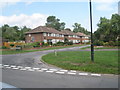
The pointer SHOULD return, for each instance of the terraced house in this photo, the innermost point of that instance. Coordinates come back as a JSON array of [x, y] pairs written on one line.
[[51, 35]]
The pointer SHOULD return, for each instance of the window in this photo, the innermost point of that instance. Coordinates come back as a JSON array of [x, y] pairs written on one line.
[[44, 34], [32, 39]]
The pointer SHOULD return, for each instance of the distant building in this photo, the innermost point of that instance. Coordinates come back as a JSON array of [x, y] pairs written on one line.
[[119, 7], [50, 35]]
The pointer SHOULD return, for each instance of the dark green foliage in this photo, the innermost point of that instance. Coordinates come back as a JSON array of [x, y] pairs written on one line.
[[54, 22], [79, 28], [4, 47], [12, 45], [108, 30], [13, 33]]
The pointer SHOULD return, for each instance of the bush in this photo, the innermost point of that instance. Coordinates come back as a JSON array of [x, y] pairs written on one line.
[[4, 47], [60, 43], [12, 45], [98, 43], [117, 43], [106, 44], [111, 43], [36, 44]]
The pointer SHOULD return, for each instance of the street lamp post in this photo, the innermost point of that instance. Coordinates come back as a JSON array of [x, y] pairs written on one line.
[[92, 46]]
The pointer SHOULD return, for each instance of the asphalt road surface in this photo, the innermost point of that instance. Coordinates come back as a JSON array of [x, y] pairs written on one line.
[[43, 79]]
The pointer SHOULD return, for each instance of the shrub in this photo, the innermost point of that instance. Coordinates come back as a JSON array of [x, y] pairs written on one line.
[[4, 47], [111, 43], [106, 44], [98, 43], [36, 44], [60, 43], [12, 45]]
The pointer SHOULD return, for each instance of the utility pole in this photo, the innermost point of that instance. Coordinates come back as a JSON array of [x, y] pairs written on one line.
[[92, 46]]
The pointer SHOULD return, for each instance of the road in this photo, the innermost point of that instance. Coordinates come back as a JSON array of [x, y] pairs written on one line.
[[34, 78]]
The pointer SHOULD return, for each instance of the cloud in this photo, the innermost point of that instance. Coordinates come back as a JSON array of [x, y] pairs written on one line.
[[30, 21], [105, 5]]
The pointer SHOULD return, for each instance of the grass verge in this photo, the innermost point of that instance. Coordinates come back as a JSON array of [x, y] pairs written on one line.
[[26, 51], [105, 61]]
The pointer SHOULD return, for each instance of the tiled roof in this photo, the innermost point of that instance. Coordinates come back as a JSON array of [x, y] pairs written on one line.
[[80, 34], [43, 29], [52, 30], [66, 32]]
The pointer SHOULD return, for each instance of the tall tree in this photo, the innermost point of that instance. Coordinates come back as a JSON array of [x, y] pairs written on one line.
[[108, 29], [54, 22], [79, 28]]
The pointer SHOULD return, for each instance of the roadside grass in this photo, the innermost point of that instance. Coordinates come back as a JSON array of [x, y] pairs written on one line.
[[100, 47], [26, 51], [106, 62]]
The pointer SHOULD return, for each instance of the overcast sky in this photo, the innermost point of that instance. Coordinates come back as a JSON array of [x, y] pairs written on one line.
[[33, 13]]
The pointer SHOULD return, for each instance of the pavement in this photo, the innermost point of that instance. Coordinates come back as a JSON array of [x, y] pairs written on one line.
[[27, 71]]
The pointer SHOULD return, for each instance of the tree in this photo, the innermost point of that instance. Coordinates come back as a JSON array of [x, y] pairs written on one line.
[[54, 22], [108, 29], [79, 28], [13, 33], [68, 29]]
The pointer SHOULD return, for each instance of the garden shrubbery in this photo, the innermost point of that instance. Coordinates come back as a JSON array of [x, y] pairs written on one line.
[[110, 43]]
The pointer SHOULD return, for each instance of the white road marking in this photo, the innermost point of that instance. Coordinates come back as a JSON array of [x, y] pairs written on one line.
[[44, 69], [96, 75], [50, 71], [27, 67], [6, 65], [19, 66], [12, 66], [36, 68], [53, 69], [60, 72], [83, 74], [63, 70], [71, 73], [0, 64]]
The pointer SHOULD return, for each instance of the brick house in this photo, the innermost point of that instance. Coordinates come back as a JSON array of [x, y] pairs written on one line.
[[51, 35]]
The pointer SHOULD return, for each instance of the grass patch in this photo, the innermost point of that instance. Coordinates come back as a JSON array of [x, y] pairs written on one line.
[[26, 51], [105, 61]]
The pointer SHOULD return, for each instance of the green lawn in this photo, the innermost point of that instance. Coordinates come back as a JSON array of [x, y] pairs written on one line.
[[105, 61], [26, 51], [100, 48]]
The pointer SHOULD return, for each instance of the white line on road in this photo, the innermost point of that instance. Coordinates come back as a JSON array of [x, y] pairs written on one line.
[[50, 71], [71, 73], [60, 72], [44, 69], [83, 74], [12, 66], [63, 70], [96, 75], [36, 68], [53, 69], [6, 65], [28, 67], [19, 66]]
